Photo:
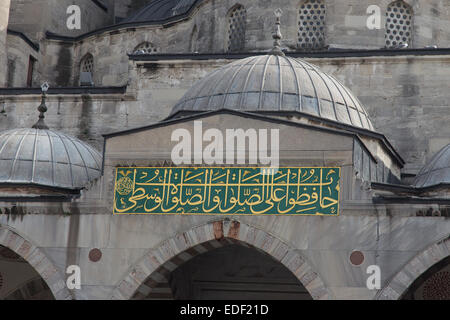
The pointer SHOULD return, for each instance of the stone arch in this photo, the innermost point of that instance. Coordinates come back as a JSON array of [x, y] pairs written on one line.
[[400, 283], [166, 257], [38, 260]]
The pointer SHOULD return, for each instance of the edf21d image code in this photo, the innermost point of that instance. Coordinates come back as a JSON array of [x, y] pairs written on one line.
[[213, 312]]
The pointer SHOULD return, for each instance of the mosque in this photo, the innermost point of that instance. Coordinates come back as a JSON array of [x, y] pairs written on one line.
[[358, 208]]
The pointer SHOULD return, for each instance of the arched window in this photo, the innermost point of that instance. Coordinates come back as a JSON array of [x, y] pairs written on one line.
[[87, 63], [398, 25], [311, 24], [237, 21], [87, 70], [145, 48]]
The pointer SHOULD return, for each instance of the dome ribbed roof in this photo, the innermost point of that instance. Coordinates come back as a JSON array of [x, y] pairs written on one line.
[[161, 10], [275, 83], [435, 172], [47, 158]]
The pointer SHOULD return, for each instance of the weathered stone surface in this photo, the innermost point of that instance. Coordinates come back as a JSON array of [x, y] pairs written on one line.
[[4, 18], [406, 97], [393, 81]]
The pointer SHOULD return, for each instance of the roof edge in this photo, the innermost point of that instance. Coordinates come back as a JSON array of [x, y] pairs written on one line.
[[67, 190], [342, 126], [334, 53], [124, 25], [408, 188], [410, 200], [64, 90], [201, 115], [33, 45], [42, 198], [100, 5]]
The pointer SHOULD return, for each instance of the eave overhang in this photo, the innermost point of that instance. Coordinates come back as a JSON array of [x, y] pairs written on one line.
[[254, 116]]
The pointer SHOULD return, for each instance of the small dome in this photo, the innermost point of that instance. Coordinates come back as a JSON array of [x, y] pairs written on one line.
[[275, 83], [435, 172], [47, 158]]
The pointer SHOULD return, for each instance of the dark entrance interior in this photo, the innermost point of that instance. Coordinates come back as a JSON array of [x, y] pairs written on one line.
[[238, 273], [234, 271]]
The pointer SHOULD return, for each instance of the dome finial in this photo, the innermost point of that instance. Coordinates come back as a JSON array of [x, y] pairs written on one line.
[[277, 36], [42, 109]]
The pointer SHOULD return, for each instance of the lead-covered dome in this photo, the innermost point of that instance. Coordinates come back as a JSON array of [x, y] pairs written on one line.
[[435, 172], [46, 158], [161, 10], [275, 83]]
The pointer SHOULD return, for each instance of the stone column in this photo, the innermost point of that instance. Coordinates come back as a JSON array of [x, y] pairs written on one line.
[[4, 17]]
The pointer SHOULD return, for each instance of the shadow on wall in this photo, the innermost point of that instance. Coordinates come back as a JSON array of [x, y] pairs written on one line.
[[63, 67]]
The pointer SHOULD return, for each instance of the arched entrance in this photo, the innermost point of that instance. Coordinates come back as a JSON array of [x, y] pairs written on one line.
[[26, 272], [427, 276], [157, 274], [226, 270]]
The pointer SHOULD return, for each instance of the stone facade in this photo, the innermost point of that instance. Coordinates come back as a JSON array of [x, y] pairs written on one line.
[[51, 15], [316, 250], [207, 25], [144, 256], [395, 90], [405, 97], [19, 54], [4, 17]]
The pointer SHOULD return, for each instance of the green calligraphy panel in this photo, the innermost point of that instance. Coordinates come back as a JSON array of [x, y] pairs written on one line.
[[221, 190]]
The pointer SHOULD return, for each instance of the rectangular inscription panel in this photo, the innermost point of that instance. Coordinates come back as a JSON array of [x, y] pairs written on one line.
[[232, 190]]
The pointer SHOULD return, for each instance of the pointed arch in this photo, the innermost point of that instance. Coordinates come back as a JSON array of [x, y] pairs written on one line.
[[38, 260], [155, 265]]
